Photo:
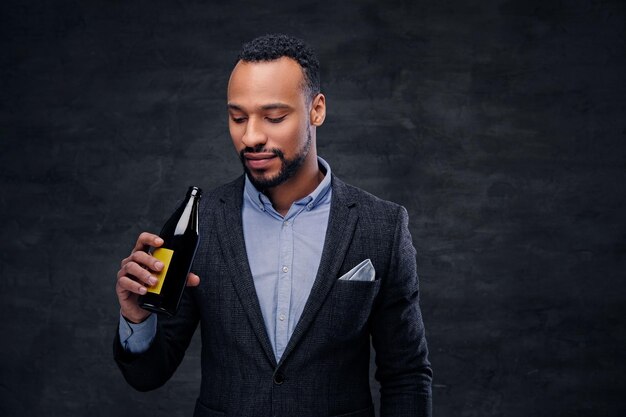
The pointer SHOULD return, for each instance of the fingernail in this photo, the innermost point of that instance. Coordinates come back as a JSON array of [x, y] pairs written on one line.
[[158, 241], [152, 280], [142, 290], [158, 266]]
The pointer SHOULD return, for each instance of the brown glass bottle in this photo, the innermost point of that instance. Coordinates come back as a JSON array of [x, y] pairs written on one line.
[[180, 236]]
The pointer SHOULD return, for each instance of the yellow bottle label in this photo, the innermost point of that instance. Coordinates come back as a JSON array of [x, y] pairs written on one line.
[[165, 256]]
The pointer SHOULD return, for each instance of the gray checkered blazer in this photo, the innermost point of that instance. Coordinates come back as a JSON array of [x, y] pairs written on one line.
[[324, 370]]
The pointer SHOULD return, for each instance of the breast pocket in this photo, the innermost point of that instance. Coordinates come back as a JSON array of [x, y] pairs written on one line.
[[350, 307]]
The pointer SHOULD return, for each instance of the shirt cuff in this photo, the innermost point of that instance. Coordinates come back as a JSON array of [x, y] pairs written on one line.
[[137, 337]]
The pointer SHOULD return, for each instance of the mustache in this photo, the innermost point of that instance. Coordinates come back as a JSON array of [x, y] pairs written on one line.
[[261, 149]]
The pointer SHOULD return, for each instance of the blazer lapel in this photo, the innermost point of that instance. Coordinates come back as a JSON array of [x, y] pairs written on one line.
[[230, 233], [341, 224]]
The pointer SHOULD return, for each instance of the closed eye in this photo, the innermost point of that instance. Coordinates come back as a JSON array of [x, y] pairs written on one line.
[[238, 120], [276, 119]]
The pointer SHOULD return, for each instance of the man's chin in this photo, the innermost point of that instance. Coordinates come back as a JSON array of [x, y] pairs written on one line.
[[263, 181], [273, 176]]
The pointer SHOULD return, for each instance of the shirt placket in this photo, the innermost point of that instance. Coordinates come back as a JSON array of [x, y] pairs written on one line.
[[284, 287]]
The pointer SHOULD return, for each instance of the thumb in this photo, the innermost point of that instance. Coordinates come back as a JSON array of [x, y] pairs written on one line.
[[193, 280]]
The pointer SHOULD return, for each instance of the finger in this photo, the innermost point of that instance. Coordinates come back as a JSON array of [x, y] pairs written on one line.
[[193, 280], [137, 271], [124, 262], [146, 260], [147, 239], [126, 285]]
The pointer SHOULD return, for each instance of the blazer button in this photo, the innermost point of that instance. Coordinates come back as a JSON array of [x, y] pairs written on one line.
[[279, 379]]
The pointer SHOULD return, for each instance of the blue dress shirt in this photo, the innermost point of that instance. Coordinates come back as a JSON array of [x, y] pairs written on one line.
[[284, 253]]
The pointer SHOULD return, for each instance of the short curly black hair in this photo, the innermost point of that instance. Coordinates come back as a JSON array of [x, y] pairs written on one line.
[[274, 46]]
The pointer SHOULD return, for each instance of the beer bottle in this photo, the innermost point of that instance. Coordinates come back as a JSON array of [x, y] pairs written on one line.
[[180, 241]]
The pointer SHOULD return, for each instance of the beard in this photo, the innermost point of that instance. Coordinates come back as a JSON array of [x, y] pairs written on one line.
[[289, 167]]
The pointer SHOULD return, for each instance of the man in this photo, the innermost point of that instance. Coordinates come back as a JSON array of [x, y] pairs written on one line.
[[295, 271]]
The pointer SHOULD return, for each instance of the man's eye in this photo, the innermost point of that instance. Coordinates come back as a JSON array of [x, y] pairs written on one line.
[[276, 120], [238, 119]]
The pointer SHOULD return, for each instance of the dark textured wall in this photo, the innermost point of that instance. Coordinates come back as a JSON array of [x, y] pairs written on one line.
[[499, 125]]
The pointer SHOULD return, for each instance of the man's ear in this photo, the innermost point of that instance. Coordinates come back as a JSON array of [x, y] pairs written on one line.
[[318, 110]]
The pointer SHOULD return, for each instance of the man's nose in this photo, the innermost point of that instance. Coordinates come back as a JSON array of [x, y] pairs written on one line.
[[254, 136]]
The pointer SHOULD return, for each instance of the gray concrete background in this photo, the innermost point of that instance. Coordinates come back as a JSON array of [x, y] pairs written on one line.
[[500, 125]]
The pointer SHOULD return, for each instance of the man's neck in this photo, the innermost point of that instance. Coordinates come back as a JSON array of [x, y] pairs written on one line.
[[303, 183]]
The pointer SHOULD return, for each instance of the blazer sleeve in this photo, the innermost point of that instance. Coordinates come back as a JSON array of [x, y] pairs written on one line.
[[398, 334], [153, 368]]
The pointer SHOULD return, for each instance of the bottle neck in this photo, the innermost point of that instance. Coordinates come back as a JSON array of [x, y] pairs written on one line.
[[185, 217]]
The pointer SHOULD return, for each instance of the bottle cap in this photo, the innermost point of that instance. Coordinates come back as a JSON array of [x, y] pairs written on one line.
[[195, 191]]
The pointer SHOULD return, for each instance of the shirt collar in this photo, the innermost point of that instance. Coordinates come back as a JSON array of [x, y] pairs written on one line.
[[262, 202]]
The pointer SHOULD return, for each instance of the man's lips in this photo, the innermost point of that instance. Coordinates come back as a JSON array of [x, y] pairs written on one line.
[[259, 160]]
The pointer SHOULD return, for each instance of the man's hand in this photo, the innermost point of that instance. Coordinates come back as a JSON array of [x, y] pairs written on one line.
[[136, 273]]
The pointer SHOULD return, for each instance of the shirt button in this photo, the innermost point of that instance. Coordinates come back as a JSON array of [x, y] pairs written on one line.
[[285, 269], [282, 317]]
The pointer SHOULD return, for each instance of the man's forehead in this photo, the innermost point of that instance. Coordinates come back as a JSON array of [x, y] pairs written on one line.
[[282, 71], [266, 82], [268, 106]]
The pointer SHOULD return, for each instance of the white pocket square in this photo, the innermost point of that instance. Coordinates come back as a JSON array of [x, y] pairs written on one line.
[[362, 272]]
